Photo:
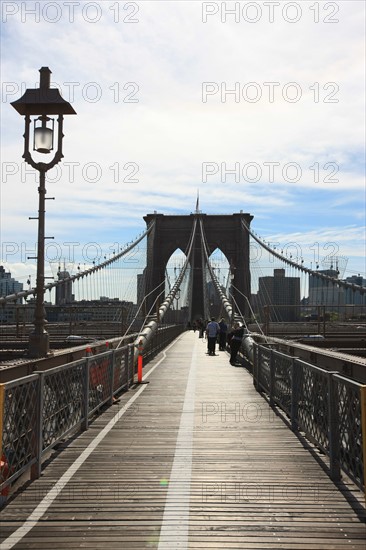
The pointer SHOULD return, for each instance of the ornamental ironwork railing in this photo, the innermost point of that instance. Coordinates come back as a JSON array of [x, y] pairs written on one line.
[[324, 405]]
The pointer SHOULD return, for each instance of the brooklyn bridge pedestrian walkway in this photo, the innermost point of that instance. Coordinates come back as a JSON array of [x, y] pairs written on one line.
[[193, 459]]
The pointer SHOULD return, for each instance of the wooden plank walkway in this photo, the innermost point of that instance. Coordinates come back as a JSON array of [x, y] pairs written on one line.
[[197, 460]]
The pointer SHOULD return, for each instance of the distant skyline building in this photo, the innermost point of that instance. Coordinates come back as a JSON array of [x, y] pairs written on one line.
[[355, 297], [103, 310], [64, 293], [279, 290], [323, 292], [9, 285]]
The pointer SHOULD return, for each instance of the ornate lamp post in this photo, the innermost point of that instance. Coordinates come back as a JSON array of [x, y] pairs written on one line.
[[40, 103], [232, 277], [177, 297]]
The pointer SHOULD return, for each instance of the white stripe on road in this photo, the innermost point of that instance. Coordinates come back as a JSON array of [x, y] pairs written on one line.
[[175, 525], [53, 493]]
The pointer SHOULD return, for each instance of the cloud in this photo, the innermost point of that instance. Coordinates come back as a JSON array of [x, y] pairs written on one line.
[[137, 89]]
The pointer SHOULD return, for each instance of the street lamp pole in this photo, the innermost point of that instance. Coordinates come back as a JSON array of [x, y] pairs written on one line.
[[232, 277], [177, 297], [41, 102], [39, 337]]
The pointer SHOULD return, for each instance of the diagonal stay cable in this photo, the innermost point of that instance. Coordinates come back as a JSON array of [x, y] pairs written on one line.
[[301, 267], [226, 303], [91, 270], [151, 327]]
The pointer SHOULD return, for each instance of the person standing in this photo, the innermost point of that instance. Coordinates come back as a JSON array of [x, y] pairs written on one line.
[[235, 341], [222, 335], [200, 326], [212, 331]]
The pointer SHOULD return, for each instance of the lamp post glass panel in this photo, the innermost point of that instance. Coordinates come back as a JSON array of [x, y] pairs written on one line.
[[43, 136], [42, 103]]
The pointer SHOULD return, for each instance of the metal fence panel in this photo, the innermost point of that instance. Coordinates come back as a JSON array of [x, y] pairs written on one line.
[[313, 413], [350, 429], [100, 380], [20, 425], [62, 401], [282, 380], [120, 370], [264, 368]]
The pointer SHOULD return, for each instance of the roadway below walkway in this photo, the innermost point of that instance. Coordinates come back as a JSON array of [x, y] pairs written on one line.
[[195, 459]]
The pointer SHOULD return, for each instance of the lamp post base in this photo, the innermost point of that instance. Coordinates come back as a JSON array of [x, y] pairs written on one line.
[[39, 344]]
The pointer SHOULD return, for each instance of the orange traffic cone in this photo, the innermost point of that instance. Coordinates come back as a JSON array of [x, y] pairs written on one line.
[[140, 348]]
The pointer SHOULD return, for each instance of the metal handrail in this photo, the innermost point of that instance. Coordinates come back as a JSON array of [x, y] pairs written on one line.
[[324, 405]]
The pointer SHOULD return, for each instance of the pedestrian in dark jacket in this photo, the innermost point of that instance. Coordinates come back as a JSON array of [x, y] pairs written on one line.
[[212, 331], [235, 342], [201, 328], [222, 335]]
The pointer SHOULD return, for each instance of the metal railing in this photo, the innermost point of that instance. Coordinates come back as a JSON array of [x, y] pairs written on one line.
[[161, 339], [311, 320], [323, 405], [40, 410]]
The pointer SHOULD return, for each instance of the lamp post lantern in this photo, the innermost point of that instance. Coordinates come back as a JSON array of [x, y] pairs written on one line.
[[42, 103]]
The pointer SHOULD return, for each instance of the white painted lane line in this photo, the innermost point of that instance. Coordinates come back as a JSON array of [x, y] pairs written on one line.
[[46, 502], [175, 525]]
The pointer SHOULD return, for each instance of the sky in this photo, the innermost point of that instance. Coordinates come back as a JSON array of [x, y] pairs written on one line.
[[256, 106]]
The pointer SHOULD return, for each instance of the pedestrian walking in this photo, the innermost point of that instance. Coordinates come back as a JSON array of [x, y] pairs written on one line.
[[212, 331], [201, 327]]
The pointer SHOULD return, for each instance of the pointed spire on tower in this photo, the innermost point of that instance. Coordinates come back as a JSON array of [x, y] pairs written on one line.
[[198, 202]]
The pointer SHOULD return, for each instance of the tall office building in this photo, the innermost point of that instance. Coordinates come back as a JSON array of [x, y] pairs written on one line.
[[323, 292], [8, 285], [64, 291], [354, 297], [279, 290]]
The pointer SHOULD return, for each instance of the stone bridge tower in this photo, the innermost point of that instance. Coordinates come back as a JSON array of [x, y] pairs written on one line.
[[225, 232]]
